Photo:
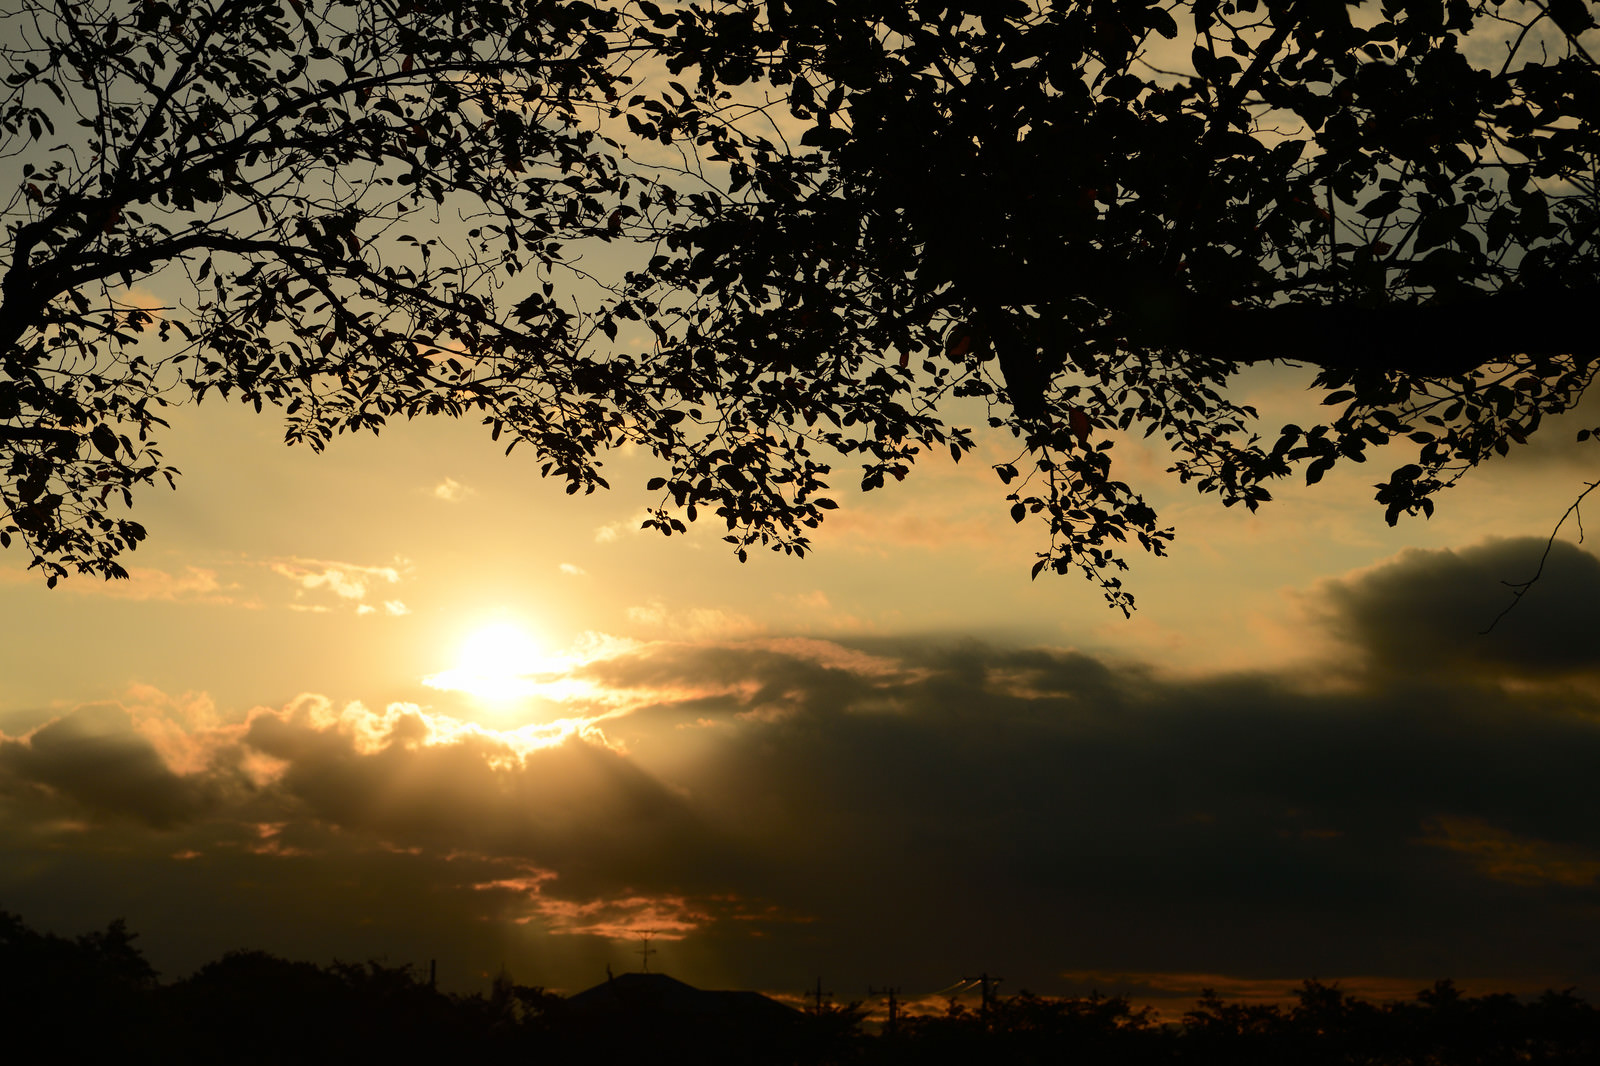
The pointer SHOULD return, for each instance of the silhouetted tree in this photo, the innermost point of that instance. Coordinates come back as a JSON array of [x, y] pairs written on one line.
[[83, 998], [1090, 217], [94, 999], [1217, 1031], [348, 209], [1328, 1025], [1093, 216]]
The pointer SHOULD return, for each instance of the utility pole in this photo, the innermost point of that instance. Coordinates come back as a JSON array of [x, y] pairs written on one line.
[[819, 995], [986, 991], [894, 1006], [646, 951]]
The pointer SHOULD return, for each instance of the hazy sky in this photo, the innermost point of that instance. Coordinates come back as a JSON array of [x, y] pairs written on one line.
[[405, 700]]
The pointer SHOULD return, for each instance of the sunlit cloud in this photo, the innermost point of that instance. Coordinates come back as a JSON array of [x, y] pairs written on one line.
[[451, 491], [269, 842], [536, 897], [408, 726], [667, 917], [573, 569], [348, 583], [693, 623], [345, 581], [836, 656], [184, 730], [1131, 828], [612, 532], [193, 584], [670, 917]]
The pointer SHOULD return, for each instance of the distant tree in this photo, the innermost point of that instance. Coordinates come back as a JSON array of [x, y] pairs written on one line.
[[73, 1000], [857, 215], [1217, 1031]]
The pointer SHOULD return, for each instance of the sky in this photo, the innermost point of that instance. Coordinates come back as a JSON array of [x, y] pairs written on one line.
[[404, 700]]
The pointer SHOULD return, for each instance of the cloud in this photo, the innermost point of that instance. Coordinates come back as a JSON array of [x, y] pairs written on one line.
[[670, 917], [561, 798], [573, 569], [349, 583], [192, 585], [1426, 612], [693, 623], [935, 806], [815, 600], [1506, 857], [452, 491], [612, 532], [96, 761]]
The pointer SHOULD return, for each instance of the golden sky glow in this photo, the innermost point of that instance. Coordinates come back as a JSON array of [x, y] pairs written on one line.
[[406, 700], [457, 714]]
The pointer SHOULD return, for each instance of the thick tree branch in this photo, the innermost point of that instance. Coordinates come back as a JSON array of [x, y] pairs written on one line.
[[1447, 338]]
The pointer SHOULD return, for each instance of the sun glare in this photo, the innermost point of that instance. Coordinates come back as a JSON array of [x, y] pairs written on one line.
[[500, 661]]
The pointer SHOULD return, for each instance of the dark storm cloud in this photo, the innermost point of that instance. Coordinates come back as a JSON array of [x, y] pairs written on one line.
[[1014, 804], [1426, 611], [911, 811], [96, 761]]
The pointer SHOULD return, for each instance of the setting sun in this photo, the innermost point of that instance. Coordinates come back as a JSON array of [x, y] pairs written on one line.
[[499, 661]]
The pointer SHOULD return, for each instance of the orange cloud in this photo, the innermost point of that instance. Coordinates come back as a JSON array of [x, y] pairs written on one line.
[[667, 917], [1504, 856]]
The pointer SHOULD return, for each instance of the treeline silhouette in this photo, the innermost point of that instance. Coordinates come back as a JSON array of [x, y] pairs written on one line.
[[95, 998]]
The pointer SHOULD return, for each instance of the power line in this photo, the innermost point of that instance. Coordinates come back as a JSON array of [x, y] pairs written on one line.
[[986, 985]]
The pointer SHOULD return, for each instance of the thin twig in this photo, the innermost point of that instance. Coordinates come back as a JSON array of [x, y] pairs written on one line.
[[1520, 589]]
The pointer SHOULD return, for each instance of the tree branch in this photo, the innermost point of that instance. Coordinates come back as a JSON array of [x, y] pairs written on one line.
[[1445, 338], [10, 434]]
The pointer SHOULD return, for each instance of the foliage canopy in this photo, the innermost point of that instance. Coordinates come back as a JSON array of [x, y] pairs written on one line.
[[376, 1012], [761, 239]]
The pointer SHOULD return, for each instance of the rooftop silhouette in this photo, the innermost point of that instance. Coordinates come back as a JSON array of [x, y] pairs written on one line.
[[656, 993]]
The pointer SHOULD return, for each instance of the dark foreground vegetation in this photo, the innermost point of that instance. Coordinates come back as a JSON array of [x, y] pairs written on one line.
[[95, 999]]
